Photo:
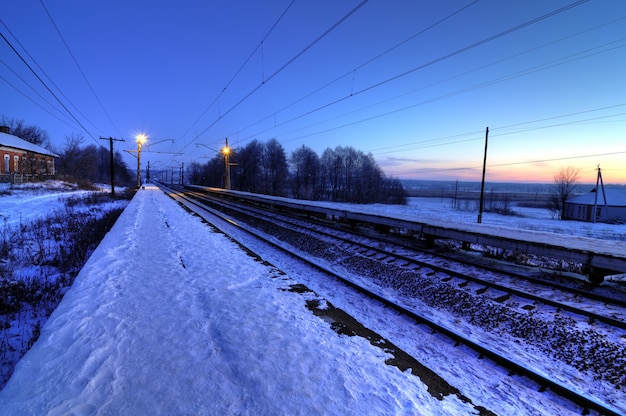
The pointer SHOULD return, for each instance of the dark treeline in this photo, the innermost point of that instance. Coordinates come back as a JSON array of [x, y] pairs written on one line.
[[90, 164], [85, 165], [342, 174]]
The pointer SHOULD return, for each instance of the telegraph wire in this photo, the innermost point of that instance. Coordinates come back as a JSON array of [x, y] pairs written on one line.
[[36, 93], [434, 142], [42, 71], [557, 159], [35, 102], [397, 147], [48, 88], [79, 68]]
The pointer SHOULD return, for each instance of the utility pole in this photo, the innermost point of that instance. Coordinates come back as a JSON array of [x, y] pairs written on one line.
[[112, 166], [482, 185], [600, 182]]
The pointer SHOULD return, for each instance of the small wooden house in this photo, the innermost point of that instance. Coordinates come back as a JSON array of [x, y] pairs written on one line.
[[591, 206], [23, 161]]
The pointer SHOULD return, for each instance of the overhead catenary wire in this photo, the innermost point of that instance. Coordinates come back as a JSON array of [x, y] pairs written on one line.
[[361, 66], [422, 66], [241, 67], [279, 70], [279, 123], [559, 61]]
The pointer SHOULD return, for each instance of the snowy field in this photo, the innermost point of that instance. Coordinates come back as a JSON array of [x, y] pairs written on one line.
[[534, 219], [171, 317]]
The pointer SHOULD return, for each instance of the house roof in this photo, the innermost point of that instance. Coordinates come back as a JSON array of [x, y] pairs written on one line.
[[9, 140], [614, 197]]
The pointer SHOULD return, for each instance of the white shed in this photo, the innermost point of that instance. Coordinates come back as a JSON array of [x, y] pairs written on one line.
[[582, 207]]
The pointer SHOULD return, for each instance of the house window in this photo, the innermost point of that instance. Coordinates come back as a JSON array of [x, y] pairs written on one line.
[[6, 163], [16, 164]]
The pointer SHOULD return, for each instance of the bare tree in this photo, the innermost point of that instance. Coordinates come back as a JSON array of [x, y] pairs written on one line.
[[275, 168], [565, 184], [89, 164], [248, 173], [305, 173], [32, 134]]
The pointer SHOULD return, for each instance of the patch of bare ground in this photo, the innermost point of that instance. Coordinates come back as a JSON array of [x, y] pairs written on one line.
[[345, 324]]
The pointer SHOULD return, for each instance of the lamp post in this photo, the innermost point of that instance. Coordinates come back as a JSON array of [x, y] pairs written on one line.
[[226, 152], [141, 139]]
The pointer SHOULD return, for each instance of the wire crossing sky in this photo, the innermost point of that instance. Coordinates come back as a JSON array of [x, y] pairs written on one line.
[[414, 83]]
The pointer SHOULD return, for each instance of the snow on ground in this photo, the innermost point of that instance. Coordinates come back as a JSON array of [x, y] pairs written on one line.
[[32, 201], [171, 317], [533, 219], [168, 317]]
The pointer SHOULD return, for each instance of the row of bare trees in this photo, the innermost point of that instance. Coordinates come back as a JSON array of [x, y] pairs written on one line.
[[87, 164], [30, 133], [90, 163], [341, 174]]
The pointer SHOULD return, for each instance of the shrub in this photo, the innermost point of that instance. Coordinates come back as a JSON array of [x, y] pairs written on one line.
[[39, 261]]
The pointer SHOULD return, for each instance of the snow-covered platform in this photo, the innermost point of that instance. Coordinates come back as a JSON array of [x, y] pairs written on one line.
[[599, 257], [170, 317]]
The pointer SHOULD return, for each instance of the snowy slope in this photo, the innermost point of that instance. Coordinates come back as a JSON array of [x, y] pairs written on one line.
[[170, 317]]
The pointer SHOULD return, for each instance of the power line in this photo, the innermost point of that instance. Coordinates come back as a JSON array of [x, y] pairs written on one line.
[[35, 102], [79, 67], [516, 163], [352, 71], [279, 70], [37, 93], [245, 62], [422, 66], [404, 146], [48, 88], [44, 73], [433, 142], [509, 77]]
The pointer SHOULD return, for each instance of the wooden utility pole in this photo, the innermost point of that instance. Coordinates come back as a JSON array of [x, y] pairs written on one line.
[[600, 182], [112, 165], [482, 185]]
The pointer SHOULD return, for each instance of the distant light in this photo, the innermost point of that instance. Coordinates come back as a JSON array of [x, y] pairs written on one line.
[[141, 138], [226, 150]]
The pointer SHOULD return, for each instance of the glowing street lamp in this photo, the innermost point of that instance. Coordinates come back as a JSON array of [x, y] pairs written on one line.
[[141, 139], [226, 153]]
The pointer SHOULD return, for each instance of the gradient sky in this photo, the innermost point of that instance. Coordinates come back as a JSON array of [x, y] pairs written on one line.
[[416, 83]]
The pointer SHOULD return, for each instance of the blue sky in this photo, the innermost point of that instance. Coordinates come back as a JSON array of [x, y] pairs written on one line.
[[415, 83]]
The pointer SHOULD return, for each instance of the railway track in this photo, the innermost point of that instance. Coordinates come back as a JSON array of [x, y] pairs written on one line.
[[381, 258], [505, 284]]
